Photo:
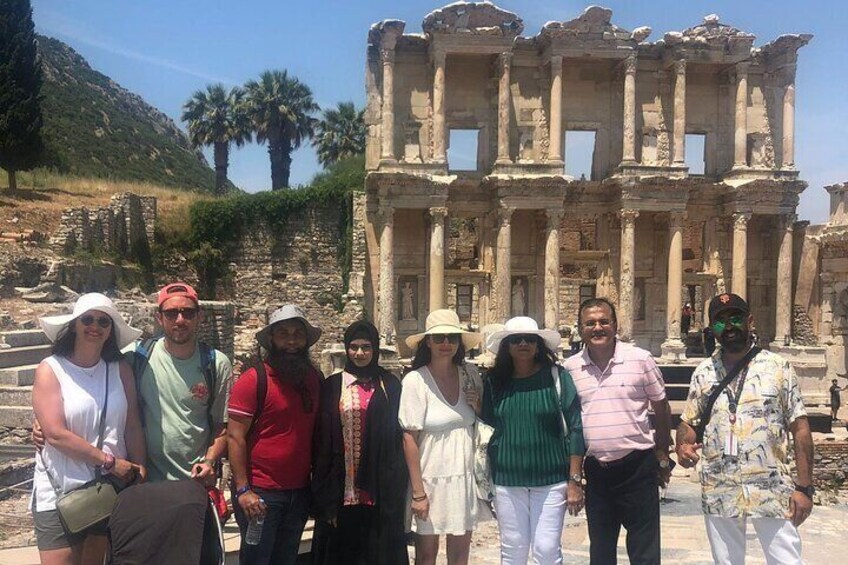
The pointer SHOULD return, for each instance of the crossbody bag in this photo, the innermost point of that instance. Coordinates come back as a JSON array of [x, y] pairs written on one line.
[[716, 392]]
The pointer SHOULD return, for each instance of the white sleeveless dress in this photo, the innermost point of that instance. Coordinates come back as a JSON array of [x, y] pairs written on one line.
[[83, 391]]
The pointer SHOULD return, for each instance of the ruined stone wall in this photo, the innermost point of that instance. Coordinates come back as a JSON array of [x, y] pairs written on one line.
[[125, 227], [830, 466]]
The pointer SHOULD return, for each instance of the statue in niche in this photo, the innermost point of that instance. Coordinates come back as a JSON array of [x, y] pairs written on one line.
[[519, 298], [407, 302], [639, 300]]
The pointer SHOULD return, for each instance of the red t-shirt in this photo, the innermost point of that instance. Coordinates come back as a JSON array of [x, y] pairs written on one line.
[[280, 442]]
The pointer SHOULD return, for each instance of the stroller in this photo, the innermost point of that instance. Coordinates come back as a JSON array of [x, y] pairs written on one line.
[[168, 522]]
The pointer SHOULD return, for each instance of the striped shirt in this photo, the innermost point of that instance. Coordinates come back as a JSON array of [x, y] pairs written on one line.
[[615, 400]]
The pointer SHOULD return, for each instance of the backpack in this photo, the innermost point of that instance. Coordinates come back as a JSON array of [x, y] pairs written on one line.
[[141, 359]]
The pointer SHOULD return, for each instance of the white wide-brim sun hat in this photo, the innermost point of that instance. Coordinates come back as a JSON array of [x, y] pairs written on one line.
[[523, 325], [444, 322], [53, 326], [281, 314]]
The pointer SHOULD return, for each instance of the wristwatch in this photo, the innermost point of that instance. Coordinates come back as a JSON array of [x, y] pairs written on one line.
[[808, 491], [577, 478], [664, 464]]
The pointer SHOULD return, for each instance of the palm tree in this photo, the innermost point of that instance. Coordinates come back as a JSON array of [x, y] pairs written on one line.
[[340, 134], [218, 118], [280, 108]]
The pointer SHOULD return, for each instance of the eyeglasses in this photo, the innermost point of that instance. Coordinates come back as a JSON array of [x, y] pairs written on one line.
[[171, 314], [737, 321], [440, 338], [518, 339], [103, 322], [366, 348], [592, 323]]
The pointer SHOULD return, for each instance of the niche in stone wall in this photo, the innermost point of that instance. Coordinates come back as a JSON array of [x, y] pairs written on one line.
[[412, 142], [408, 299], [639, 299], [650, 139], [463, 243]]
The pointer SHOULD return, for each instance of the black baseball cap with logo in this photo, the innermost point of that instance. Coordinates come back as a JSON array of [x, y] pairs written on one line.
[[727, 301]]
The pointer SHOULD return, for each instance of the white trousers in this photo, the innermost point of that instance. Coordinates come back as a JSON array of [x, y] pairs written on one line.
[[779, 539], [531, 517]]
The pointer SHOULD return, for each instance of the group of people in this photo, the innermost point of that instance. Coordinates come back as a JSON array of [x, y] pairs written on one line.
[[372, 457]]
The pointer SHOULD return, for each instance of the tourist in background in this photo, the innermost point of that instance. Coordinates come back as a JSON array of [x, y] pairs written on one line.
[[746, 465], [85, 371], [273, 408], [625, 460], [438, 406], [359, 478], [536, 451], [835, 400]]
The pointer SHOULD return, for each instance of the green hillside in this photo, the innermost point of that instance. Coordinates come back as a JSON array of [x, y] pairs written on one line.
[[93, 127]]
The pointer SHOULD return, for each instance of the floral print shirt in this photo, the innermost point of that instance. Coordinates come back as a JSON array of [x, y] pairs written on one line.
[[757, 481]]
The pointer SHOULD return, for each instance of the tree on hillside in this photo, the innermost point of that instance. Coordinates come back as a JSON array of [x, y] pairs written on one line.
[[340, 133], [281, 109], [218, 118], [20, 90]]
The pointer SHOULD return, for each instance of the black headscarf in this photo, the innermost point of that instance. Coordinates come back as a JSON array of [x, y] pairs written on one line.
[[363, 330]]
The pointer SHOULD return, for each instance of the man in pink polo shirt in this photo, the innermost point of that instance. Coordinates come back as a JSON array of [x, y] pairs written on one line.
[[625, 461]]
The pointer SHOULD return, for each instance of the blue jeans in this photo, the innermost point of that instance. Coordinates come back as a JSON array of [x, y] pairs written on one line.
[[285, 518]]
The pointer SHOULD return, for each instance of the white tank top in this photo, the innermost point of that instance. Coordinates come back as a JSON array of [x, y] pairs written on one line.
[[83, 390]]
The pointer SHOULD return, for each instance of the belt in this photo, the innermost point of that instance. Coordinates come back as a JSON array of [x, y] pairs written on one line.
[[632, 456]]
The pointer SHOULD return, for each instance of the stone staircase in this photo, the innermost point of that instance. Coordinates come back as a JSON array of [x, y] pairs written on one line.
[[20, 353]]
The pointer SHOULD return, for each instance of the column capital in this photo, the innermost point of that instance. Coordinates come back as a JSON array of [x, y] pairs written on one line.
[[438, 212], [628, 216], [505, 215], [676, 218], [387, 55], [630, 64], [787, 221], [740, 220], [680, 67], [505, 60], [554, 216], [386, 213], [741, 69], [438, 56], [556, 61]]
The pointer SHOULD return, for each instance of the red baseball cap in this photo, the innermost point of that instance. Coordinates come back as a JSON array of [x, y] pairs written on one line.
[[176, 289]]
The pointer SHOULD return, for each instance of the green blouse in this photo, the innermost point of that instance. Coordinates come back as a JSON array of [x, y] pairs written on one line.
[[527, 448]]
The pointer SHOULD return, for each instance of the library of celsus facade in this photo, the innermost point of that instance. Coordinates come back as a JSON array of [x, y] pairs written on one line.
[[516, 235]]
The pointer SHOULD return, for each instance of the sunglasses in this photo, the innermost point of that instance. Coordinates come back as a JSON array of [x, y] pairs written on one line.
[[518, 339], [171, 314], [737, 321], [440, 338], [102, 321]]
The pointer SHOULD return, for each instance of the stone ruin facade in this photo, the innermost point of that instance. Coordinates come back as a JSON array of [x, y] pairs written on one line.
[[124, 227], [518, 236]]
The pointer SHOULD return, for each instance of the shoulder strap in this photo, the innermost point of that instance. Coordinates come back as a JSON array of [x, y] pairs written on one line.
[[558, 389], [207, 365], [140, 360], [261, 391], [714, 394]]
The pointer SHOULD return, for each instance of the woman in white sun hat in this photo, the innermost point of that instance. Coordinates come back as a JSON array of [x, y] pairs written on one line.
[[438, 406], [536, 451], [85, 373]]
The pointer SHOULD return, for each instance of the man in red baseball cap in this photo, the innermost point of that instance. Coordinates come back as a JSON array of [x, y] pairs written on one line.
[[743, 403]]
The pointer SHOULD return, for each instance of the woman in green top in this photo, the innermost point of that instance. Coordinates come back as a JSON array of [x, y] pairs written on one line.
[[536, 451]]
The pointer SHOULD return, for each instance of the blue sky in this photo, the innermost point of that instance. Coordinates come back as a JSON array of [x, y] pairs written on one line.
[[165, 50]]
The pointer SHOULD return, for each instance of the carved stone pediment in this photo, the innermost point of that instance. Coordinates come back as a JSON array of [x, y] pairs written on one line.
[[478, 18], [712, 35], [593, 26], [386, 33]]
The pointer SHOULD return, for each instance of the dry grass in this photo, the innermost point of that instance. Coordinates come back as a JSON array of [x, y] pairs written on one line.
[[43, 196]]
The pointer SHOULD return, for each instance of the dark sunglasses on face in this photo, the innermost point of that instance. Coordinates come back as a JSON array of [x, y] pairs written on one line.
[[103, 322], [440, 338], [517, 339], [737, 321], [172, 313]]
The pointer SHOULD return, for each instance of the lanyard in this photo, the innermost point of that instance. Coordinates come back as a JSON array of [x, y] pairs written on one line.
[[733, 399]]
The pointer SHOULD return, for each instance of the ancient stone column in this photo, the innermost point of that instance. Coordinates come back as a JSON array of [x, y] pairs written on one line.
[[503, 268], [552, 269], [387, 153], [387, 274], [740, 138], [628, 154], [439, 155], [504, 103], [555, 126], [628, 261], [783, 296], [437, 257], [674, 347], [789, 125], [740, 253], [679, 112]]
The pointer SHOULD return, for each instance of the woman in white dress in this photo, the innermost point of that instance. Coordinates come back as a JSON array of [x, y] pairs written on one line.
[[438, 405], [85, 372]]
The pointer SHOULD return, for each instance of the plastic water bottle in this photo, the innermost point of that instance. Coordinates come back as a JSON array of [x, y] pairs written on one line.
[[254, 529]]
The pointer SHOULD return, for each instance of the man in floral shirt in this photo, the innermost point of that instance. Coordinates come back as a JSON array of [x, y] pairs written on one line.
[[745, 459]]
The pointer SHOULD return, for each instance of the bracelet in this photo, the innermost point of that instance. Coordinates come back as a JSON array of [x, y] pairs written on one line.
[[420, 498], [242, 490], [109, 464]]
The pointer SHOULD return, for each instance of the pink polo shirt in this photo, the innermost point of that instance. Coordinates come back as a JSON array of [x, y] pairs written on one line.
[[615, 400]]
